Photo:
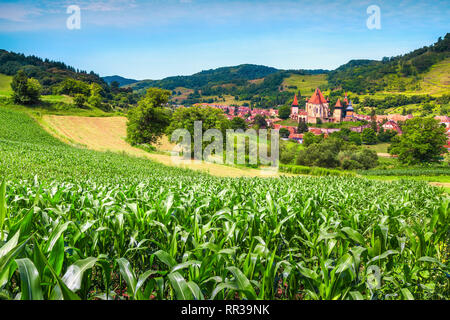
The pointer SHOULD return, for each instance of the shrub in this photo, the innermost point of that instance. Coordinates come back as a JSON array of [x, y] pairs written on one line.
[[79, 100], [25, 91]]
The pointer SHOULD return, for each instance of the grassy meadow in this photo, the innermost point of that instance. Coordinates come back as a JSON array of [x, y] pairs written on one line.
[[307, 84]]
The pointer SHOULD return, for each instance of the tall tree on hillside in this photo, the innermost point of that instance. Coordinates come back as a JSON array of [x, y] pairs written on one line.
[[284, 112], [25, 91], [238, 123], [148, 121], [422, 141], [260, 121], [369, 136]]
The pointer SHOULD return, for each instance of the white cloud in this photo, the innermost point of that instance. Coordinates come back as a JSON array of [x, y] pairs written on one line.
[[18, 12]]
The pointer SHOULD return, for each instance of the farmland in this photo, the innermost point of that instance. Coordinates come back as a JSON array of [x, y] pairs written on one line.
[[109, 133], [83, 224], [305, 83]]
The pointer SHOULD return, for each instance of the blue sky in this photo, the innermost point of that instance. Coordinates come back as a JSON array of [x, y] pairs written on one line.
[[154, 39]]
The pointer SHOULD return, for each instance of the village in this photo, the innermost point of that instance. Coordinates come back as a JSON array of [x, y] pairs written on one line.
[[317, 111]]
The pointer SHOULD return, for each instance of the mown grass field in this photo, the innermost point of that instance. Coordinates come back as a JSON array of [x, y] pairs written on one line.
[[109, 134], [305, 83], [437, 80], [82, 224], [380, 148], [5, 85]]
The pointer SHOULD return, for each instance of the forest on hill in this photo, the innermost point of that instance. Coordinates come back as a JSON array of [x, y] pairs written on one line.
[[260, 85], [401, 72], [57, 78]]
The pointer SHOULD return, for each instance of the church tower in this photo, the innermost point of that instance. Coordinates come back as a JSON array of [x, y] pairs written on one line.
[[317, 108], [295, 106], [338, 111], [350, 110]]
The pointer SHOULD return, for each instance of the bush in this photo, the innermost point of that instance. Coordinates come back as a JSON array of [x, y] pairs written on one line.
[[369, 136], [358, 159], [386, 136], [288, 152], [335, 152], [79, 100], [284, 112], [25, 91], [284, 133]]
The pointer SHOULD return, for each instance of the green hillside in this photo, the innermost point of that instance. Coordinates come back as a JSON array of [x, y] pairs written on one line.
[[5, 85], [306, 84], [437, 80], [225, 75], [120, 80], [58, 81], [405, 73]]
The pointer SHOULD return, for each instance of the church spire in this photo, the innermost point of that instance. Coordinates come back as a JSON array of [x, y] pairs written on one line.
[[295, 103]]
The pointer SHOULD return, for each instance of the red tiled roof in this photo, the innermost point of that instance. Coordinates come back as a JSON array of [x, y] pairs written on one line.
[[315, 131], [346, 98], [317, 97], [295, 103], [296, 136], [339, 104]]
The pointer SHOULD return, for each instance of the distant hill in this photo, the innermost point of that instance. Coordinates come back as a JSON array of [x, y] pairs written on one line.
[[121, 80], [57, 78], [260, 86], [224, 75], [396, 74], [49, 73]]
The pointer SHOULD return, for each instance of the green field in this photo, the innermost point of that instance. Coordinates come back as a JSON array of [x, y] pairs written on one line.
[[5, 85], [379, 147], [6, 91], [305, 83], [82, 224]]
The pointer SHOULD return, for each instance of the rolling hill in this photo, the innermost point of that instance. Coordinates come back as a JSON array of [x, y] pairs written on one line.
[[421, 72], [404, 73], [219, 76], [121, 80]]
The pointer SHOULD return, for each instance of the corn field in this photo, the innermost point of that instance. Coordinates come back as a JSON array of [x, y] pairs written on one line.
[[77, 224], [317, 238]]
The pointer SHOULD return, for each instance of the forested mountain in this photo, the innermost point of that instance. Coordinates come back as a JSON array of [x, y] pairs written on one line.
[[120, 80], [260, 85], [225, 75]]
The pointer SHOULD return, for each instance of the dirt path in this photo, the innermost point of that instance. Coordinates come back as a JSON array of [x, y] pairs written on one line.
[[441, 184], [108, 134]]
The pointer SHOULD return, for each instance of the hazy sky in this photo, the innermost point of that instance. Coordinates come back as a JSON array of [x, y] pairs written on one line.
[[158, 38]]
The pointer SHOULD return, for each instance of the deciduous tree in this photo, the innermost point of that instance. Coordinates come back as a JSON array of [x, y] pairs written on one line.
[[148, 121], [422, 141]]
